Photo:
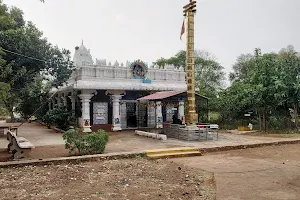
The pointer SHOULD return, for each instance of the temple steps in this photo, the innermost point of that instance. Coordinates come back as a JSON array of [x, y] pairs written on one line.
[[172, 153]]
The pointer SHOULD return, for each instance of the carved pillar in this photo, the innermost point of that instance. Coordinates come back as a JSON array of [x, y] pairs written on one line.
[[59, 101], [116, 95], [159, 117], [49, 104], [116, 112], [53, 103], [64, 101], [85, 100], [181, 111], [73, 101]]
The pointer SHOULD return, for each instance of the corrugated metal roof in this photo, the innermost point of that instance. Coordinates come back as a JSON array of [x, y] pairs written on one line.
[[161, 95], [164, 95]]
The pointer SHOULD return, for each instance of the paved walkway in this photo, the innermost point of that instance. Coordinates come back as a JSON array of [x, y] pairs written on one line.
[[37, 134], [126, 141]]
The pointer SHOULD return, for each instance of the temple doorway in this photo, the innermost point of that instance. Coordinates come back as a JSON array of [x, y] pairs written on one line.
[[131, 114]]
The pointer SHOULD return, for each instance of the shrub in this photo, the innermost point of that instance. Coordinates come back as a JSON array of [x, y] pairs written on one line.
[[58, 116], [85, 143]]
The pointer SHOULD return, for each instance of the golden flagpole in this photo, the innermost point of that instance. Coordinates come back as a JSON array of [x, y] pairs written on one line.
[[189, 11]]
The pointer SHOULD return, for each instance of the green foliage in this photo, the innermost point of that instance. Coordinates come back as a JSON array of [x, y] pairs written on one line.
[[59, 116], [85, 143], [266, 84], [209, 75], [25, 56]]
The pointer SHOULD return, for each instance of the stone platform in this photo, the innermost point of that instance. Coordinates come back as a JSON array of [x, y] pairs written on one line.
[[189, 133]]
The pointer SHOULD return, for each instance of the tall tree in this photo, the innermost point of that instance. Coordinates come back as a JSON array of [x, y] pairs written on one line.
[[29, 54], [209, 75], [273, 81], [242, 67]]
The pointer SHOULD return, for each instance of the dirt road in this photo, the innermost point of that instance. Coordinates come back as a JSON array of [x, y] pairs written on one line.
[[266, 173]]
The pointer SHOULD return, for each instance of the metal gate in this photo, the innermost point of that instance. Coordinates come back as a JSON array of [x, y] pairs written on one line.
[[151, 116], [142, 115]]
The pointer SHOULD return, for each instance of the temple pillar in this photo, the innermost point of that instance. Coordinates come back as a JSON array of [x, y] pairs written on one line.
[[73, 101], [53, 103], [85, 100], [49, 104], [159, 117], [181, 111], [64, 101], [116, 112], [59, 100], [115, 96]]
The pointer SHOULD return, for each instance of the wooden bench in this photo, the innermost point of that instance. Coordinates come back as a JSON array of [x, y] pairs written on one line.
[[19, 146]]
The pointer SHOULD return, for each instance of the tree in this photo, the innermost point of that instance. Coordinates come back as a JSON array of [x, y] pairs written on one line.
[[28, 55], [272, 80], [209, 75], [242, 67], [288, 85]]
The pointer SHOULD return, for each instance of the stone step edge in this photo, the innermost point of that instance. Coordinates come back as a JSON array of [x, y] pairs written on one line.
[[172, 155], [178, 149]]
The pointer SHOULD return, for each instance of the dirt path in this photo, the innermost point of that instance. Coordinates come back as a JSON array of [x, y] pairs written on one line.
[[266, 173], [123, 179]]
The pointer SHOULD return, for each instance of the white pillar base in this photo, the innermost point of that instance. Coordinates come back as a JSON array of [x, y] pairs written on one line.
[[87, 129], [116, 128]]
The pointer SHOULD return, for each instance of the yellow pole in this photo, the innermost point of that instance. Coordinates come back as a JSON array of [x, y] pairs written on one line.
[[192, 116]]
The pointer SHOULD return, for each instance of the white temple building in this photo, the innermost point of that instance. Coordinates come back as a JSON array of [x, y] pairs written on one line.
[[107, 96]]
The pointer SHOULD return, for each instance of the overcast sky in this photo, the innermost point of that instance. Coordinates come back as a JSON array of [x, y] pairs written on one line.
[[149, 29]]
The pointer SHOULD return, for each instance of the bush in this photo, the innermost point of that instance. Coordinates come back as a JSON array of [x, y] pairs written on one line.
[[85, 143], [58, 116], [276, 123]]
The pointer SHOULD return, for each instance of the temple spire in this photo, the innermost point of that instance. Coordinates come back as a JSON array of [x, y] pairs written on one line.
[[82, 41]]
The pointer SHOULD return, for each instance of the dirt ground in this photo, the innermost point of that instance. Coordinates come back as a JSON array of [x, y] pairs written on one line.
[[267, 173], [115, 179]]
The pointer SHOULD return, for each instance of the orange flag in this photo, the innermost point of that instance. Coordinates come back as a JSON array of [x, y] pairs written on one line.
[[182, 30]]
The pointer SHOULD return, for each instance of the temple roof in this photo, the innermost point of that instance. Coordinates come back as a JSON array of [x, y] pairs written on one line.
[[82, 54]]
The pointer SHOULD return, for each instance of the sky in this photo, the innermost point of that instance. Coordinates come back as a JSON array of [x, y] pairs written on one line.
[[149, 29]]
